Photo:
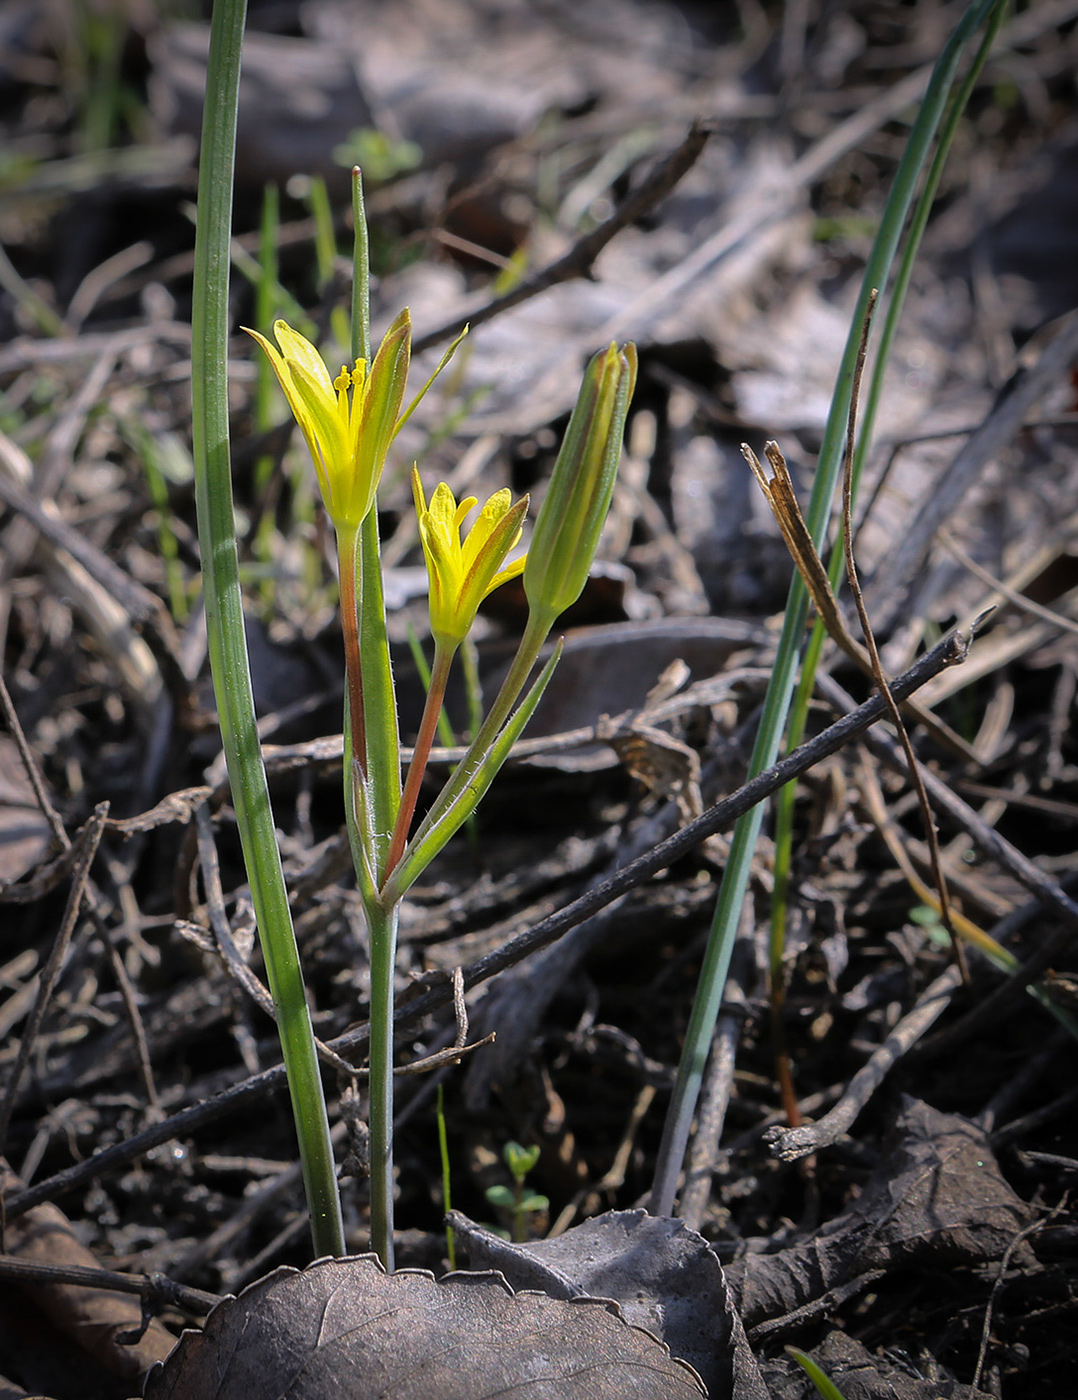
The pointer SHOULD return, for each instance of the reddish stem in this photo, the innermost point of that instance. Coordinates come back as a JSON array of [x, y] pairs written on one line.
[[443, 659], [783, 1069]]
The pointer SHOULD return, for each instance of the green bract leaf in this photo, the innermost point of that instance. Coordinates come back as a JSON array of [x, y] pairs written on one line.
[[425, 845]]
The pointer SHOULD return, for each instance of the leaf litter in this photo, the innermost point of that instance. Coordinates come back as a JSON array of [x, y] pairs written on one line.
[[927, 1248]]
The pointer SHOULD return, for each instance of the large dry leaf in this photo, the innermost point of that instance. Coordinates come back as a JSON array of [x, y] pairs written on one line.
[[345, 1328], [97, 1319], [662, 1275], [938, 1199]]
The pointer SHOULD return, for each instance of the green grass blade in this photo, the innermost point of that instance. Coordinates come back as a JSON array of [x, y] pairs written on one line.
[[447, 1198], [825, 1386], [780, 691], [802, 698], [224, 620]]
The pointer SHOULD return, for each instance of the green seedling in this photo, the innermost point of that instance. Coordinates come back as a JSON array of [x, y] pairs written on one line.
[[519, 1202]]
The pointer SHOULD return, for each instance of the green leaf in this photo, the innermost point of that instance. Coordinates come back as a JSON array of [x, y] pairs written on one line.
[[519, 1160], [426, 845]]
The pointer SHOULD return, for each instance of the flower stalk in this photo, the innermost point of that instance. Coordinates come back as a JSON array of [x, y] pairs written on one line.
[[349, 423]]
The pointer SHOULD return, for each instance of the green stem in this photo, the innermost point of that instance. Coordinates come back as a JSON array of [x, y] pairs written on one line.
[[377, 788], [432, 711], [382, 924], [224, 622], [382, 758]]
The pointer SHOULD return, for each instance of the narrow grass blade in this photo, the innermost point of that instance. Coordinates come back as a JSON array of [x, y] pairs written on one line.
[[825, 1386], [777, 702], [224, 621]]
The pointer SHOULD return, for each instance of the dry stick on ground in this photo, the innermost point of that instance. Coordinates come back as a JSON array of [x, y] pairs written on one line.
[[72, 854], [718, 817], [20, 537], [1010, 595], [704, 1151], [1001, 1275], [87, 843], [882, 685], [156, 1290], [893, 838], [788, 1144], [146, 612], [515, 1005], [284, 1184], [990, 842], [778, 194], [589, 1200], [1045, 890], [577, 262], [1021, 1088]]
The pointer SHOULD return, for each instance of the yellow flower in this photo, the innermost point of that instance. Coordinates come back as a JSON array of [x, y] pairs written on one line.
[[462, 573], [349, 422]]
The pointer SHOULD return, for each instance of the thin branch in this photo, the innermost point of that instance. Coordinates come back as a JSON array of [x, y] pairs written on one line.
[[936, 862], [577, 262], [788, 1144], [154, 1289], [86, 848]]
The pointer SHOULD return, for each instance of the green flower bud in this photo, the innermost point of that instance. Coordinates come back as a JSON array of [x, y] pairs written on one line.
[[574, 511]]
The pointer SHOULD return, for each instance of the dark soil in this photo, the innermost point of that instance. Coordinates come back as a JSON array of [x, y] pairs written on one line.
[[104, 657]]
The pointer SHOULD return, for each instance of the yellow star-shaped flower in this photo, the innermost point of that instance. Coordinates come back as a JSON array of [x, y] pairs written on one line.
[[463, 572], [349, 422]]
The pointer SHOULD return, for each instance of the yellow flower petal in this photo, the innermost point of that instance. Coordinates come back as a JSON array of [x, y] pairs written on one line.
[[462, 573], [349, 421]]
